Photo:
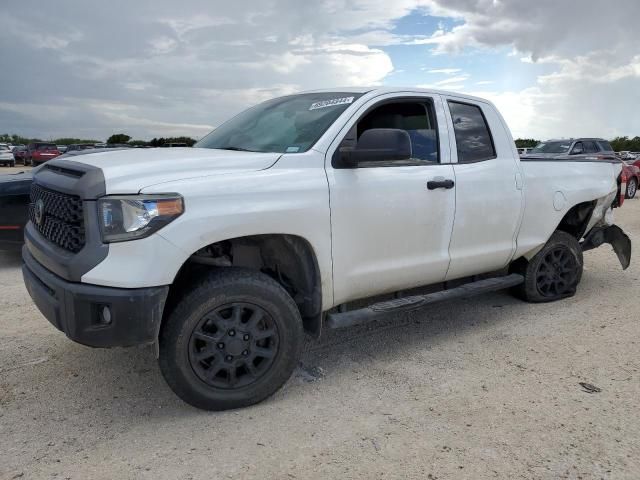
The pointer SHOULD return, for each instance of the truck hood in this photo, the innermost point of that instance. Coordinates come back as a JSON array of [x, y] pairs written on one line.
[[130, 170]]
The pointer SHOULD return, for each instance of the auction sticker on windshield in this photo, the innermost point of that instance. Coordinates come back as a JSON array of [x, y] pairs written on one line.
[[331, 103]]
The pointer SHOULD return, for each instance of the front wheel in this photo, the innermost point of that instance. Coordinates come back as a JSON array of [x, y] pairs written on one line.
[[632, 188], [554, 272], [232, 341]]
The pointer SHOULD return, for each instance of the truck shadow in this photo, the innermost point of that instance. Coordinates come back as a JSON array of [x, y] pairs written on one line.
[[399, 334], [131, 384]]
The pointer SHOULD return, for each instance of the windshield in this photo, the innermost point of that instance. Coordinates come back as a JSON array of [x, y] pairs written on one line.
[[289, 124], [4, 147], [45, 146], [552, 147]]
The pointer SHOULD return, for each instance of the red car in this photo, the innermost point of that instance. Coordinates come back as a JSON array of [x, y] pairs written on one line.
[[632, 170], [38, 153]]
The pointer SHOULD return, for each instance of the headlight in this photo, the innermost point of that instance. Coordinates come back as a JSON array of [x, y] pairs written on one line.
[[125, 218]]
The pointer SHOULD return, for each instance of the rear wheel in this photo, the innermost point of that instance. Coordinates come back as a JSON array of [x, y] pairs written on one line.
[[232, 341], [554, 272], [632, 188]]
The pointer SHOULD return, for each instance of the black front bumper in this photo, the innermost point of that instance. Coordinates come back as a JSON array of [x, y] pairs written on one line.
[[77, 309]]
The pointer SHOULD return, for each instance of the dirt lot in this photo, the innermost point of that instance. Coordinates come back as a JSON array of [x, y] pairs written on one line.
[[485, 388], [16, 169]]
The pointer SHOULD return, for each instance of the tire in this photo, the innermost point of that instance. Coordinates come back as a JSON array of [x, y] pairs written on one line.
[[210, 332], [632, 188], [553, 273]]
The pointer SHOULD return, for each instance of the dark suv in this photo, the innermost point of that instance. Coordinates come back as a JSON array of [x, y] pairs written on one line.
[[574, 146]]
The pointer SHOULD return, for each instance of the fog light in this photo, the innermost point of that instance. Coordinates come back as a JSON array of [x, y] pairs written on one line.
[[105, 315]]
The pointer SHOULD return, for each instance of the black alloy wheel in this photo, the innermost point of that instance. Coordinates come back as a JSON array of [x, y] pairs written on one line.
[[233, 345], [553, 273], [230, 338], [557, 272]]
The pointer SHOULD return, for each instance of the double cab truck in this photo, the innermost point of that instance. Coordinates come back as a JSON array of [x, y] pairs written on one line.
[[318, 210]]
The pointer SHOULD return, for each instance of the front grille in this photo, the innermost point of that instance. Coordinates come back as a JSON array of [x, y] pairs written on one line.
[[58, 217]]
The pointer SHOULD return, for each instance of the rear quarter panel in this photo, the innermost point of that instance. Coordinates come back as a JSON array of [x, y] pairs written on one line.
[[552, 188]]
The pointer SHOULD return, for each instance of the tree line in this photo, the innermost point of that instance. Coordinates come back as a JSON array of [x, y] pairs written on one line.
[[619, 144], [116, 139]]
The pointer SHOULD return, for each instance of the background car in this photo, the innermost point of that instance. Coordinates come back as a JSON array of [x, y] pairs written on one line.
[[40, 152], [632, 170], [19, 152], [14, 208], [573, 146], [80, 146], [6, 156], [62, 148]]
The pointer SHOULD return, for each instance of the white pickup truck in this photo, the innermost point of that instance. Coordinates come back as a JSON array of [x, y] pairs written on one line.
[[225, 254]]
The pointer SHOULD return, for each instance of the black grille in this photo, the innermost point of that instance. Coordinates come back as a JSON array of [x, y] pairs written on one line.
[[58, 217]]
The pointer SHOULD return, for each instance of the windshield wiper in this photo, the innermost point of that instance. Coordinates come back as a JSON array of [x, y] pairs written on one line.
[[236, 149]]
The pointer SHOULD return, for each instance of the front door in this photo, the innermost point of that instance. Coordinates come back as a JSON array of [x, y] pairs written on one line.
[[389, 230]]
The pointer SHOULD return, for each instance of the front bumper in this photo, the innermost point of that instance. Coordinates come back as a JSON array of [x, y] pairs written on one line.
[[77, 308]]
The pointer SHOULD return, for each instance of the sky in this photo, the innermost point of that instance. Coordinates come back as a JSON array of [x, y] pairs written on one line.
[[152, 68]]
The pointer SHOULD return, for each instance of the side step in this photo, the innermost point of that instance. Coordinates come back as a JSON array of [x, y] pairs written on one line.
[[382, 309]]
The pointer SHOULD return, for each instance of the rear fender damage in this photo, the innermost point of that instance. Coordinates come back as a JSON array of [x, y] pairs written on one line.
[[612, 235]]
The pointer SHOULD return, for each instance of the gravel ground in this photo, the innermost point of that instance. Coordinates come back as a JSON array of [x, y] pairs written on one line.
[[485, 388], [16, 169]]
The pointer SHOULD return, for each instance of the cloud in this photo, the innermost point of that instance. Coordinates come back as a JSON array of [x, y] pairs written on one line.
[[172, 68], [122, 65], [591, 51], [445, 71]]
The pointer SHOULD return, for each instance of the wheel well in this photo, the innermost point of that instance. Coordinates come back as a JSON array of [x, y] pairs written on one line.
[[576, 219], [288, 259]]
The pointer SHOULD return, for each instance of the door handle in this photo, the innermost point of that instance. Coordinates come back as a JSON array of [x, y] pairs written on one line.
[[433, 184]]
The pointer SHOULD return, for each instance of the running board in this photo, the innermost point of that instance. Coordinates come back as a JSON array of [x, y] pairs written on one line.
[[382, 309]]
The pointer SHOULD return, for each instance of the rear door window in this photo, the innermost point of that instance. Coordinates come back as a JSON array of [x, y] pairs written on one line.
[[473, 136], [590, 147], [578, 148], [605, 146]]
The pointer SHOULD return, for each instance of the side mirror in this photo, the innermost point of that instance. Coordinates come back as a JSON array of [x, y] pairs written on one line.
[[375, 145]]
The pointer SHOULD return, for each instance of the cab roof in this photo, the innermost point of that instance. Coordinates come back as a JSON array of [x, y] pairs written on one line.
[[383, 90]]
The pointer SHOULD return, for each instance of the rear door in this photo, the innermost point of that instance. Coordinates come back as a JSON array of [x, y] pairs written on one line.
[[489, 201]]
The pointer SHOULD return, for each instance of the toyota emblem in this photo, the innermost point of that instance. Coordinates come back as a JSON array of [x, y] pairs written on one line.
[[39, 211]]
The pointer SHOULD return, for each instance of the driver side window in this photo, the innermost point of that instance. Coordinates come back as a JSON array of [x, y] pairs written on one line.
[[416, 118], [577, 148]]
